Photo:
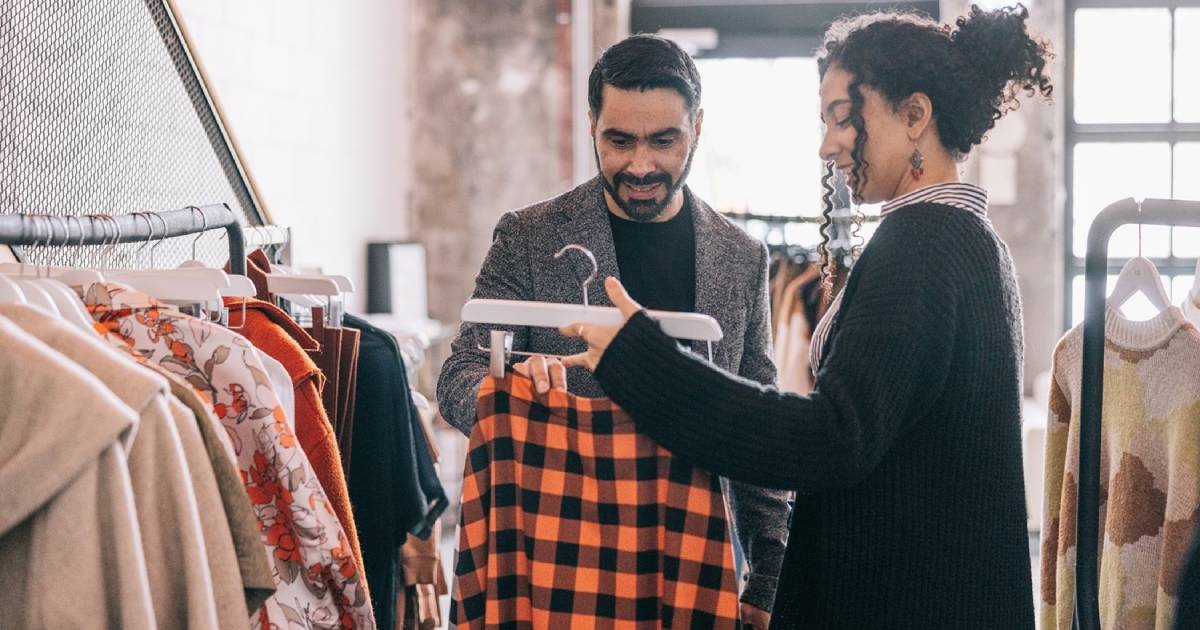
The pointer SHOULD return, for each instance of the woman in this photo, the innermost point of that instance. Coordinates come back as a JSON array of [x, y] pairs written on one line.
[[907, 455]]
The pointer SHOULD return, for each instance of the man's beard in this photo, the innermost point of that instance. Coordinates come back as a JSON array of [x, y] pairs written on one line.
[[644, 210]]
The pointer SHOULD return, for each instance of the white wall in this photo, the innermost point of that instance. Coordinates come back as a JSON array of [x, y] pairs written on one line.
[[314, 93]]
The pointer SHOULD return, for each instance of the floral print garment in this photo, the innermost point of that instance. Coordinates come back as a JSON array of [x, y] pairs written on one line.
[[318, 585]]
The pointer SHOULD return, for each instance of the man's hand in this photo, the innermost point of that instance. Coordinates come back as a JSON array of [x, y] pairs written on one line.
[[754, 617], [546, 373], [598, 337]]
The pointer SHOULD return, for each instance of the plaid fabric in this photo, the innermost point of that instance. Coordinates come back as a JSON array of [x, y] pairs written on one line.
[[570, 518]]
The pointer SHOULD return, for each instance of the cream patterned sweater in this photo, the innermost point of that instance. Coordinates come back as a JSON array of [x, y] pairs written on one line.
[[1150, 467]]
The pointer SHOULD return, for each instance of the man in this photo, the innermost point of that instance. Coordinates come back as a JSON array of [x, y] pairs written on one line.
[[668, 247]]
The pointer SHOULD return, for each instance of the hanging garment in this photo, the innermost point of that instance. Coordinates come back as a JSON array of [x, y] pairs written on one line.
[[274, 332], [281, 382], [393, 482], [1149, 467], [173, 544], [254, 569], [424, 579], [240, 521], [572, 518], [421, 561], [783, 269], [1191, 310], [327, 357], [348, 381], [316, 577], [792, 349], [70, 548], [334, 351]]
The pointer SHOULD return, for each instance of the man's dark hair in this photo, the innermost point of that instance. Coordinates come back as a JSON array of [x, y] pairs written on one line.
[[645, 62]]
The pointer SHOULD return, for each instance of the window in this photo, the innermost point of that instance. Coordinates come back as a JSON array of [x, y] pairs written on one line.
[[1133, 130], [759, 148]]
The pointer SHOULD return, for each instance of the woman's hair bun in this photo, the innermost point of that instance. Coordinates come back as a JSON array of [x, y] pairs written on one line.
[[1004, 57]]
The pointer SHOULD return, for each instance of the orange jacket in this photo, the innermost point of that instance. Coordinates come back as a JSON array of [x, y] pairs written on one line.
[[277, 334]]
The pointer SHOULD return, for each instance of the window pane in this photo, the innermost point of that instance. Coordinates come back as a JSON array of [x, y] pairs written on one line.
[[1187, 242], [761, 135], [1187, 64], [1187, 186], [1180, 287], [1105, 172], [1102, 66]]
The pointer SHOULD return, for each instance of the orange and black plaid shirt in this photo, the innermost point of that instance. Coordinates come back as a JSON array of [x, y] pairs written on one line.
[[572, 519]]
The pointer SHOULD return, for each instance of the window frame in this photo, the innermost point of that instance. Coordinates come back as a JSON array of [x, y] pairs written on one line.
[[1075, 133]]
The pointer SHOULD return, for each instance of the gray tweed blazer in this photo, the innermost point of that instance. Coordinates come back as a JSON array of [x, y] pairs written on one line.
[[731, 286]]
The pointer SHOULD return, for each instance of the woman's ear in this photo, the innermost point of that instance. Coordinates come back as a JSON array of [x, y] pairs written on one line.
[[917, 112]]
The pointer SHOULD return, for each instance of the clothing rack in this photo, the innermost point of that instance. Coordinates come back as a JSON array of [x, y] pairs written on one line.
[[45, 230], [1165, 212]]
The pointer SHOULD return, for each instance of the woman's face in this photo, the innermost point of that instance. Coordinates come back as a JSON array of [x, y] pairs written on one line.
[[888, 147]]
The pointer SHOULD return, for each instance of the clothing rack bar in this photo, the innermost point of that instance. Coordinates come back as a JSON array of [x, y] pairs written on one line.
[[51, 230], [1166, 212]]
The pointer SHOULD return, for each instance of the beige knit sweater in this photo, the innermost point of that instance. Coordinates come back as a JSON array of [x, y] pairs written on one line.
[[1150, 471]]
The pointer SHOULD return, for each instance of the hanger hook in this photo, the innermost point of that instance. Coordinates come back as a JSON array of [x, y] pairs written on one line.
[[36, 241], [116, 239], [137, 253], [66, 236], [80, 221], [49, 240], [591, 258], [203, 228], [161, 237]]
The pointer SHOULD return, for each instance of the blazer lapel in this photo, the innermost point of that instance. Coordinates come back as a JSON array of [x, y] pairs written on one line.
[[587, 225], [712, 290]]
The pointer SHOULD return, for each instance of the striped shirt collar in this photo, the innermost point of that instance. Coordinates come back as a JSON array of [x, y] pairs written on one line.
[[958, 194]]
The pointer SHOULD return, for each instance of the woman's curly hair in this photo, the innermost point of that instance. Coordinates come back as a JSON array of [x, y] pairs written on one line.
[[972, 73]]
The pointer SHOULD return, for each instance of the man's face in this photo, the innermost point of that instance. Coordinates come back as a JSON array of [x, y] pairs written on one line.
[[644, 144]]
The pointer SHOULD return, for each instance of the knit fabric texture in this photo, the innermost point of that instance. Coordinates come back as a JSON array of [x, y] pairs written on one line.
[[1149, 471], [570, 518], [907, 454]]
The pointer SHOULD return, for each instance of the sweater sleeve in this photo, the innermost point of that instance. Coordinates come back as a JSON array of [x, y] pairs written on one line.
[[887, 362]]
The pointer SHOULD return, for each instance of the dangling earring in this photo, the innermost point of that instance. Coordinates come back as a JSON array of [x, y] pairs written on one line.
[[917, 159]]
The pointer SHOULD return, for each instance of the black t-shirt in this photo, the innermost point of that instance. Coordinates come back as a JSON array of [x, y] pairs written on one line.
[[658, 260]]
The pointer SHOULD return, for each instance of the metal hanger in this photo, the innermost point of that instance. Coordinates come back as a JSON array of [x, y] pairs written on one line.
[[199, 286], [67, 302], [1139, 275], [34, 292], [591, 258]]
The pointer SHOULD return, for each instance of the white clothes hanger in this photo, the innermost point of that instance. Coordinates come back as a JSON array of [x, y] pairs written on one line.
[[70, 306], [35, 292], [693, 326], [70, 276], [1139, 275], [236, 285], [200, 285], [10, 292]]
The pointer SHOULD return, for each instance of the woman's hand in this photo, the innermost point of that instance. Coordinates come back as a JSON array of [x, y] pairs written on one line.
[[598, 337]]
